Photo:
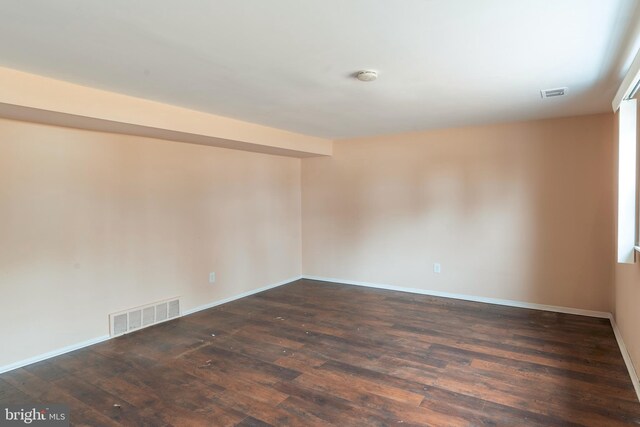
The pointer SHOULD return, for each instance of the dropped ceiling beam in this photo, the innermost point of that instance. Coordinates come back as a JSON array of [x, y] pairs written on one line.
[[34, 98]]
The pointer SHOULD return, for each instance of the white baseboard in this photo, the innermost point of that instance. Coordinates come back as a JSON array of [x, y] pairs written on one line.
[[242, 295], [510, 303], [626, 356], [78, 346], [53, 353], [600, 314]]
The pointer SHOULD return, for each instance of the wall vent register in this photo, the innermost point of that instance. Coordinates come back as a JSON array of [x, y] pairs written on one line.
[[136, 318]]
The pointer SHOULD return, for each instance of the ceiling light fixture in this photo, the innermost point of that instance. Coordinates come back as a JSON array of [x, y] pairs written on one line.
[[367, 75]]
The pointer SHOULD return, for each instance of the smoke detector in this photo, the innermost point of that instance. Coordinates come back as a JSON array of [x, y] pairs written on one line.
[[555, 92], [367, 75]]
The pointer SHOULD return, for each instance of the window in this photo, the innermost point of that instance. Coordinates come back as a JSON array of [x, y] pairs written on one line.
[[627, 178], [628, 218]]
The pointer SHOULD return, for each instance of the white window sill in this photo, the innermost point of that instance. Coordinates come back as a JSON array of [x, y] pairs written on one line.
[[637, 248]]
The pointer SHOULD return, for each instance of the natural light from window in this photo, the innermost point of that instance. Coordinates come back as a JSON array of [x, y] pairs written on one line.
[[627, 117]]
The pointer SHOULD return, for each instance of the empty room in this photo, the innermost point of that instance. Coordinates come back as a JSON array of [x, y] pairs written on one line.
[[329, 213]]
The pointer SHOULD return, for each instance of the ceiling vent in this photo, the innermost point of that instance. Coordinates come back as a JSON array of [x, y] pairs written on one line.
[[553, 93], [140, 317]]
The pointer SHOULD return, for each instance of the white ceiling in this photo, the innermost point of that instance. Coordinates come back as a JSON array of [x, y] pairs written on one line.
[[289, 63]]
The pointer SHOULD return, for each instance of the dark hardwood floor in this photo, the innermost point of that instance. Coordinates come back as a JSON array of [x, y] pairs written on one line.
[[314, 353]]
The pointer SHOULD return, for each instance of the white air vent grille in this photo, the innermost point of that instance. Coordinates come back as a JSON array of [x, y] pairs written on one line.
[[119, 324], [174, 308], [141, 317], [148, 316], [161, 312], [552, 93], [135, 319]]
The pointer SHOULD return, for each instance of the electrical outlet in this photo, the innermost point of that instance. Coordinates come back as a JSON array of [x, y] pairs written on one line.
[[437, 268], [212, 277]]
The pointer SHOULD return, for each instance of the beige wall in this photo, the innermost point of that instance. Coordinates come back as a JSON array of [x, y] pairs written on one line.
[[520, 211], [626, 309], [92, 223]]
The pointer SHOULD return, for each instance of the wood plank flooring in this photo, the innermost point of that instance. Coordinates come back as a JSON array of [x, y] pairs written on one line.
[[314, 354]]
